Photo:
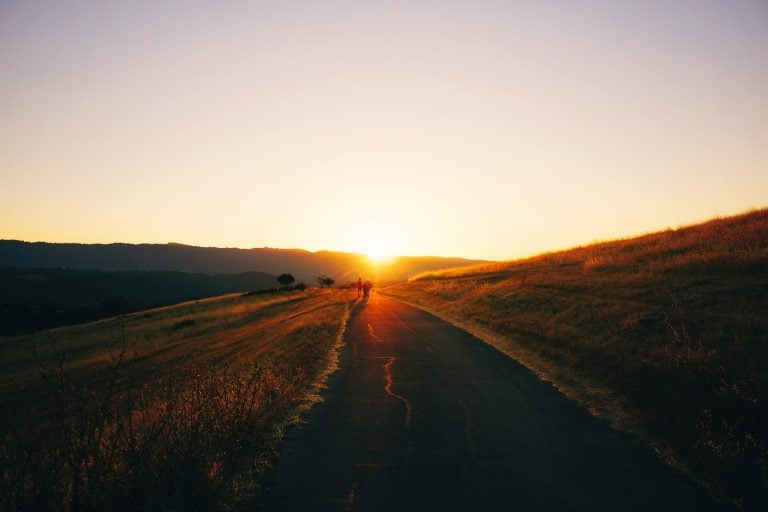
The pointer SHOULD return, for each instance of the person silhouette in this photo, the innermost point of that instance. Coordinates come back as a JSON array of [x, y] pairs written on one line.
[[359, 286], [367, 289]]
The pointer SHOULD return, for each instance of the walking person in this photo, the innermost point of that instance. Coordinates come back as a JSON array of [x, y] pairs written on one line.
[[367, 289], [359, 286]]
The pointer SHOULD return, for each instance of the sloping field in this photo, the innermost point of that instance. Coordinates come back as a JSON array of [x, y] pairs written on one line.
[[174, 408], [665, 334]]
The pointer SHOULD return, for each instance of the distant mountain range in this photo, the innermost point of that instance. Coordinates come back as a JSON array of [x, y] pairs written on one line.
[[304, 265]]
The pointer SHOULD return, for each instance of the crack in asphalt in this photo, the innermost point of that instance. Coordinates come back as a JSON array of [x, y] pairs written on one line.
[[388, 389], [373, 333]]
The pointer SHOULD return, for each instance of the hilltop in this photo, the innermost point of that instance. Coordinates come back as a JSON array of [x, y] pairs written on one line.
[[304, 265], [664, 335]]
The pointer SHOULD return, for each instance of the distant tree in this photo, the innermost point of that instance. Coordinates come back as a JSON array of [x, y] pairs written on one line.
[[285, 279], [325, 281]]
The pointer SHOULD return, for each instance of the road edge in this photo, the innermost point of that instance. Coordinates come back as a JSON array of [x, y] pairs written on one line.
[[597, 401]]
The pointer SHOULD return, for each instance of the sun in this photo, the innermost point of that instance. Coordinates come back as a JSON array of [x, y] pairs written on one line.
[[378, 247], [376, 250]]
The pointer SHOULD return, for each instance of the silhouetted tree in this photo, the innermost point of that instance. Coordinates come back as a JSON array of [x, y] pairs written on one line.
[[325, 281], [285, 279]]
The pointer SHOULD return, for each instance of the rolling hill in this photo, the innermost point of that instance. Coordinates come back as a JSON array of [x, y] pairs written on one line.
[[175, 408], [664, 334]]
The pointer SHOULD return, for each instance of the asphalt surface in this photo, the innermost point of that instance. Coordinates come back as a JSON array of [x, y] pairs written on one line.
[[423, 416]]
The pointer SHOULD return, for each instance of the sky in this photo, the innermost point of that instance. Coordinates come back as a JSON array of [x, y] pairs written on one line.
[[483, 129]]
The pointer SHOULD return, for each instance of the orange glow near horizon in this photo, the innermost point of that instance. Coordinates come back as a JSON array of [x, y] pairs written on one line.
[[378, 246], [488, 130]]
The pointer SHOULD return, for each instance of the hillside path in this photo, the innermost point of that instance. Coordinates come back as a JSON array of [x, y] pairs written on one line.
[[422, 415]]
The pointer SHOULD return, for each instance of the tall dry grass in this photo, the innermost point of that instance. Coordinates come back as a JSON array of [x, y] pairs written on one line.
[[740, 239], [665, 333], [125, 433]]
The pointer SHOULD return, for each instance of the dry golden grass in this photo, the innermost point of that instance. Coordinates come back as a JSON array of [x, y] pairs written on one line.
[[224, 329], [665, 334], [177, 408]]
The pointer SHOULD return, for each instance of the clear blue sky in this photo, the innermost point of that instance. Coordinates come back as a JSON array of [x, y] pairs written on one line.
[[480, 129]]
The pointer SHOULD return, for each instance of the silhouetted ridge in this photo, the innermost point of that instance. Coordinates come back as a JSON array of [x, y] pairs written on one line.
[[304, 265]]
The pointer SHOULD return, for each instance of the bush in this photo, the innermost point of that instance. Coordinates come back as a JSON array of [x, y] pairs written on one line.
[[325, 281], [285, 279]]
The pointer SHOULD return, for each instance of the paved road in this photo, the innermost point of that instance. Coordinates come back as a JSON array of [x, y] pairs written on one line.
[[423, 416]]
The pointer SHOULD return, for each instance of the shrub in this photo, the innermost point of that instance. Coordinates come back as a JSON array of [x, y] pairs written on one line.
[[285, 279]]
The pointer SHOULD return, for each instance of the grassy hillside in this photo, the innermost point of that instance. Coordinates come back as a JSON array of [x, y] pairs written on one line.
[[304, 265], [36, 299], [666, 334], [177, 408]]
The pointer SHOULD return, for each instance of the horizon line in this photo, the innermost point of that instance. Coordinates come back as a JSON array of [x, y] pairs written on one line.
[[595, 241]]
